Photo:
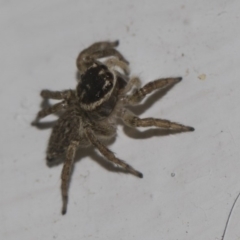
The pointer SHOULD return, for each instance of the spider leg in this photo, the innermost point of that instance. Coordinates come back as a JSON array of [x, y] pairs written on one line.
[[47, 111], [66, 173], [108, 154], [58, 95], [139, 94], [98, 50], [100, 46], [133, 121]]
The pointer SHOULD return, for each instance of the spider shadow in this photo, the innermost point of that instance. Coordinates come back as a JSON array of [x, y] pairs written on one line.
[[139, 109], [152, 99], [78, 76], [149, 133]]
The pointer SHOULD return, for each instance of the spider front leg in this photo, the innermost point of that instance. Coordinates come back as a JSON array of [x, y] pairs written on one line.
[[98, 50], [133, 121], [100, 46], [108, 154], [139, 94], [66, 173]]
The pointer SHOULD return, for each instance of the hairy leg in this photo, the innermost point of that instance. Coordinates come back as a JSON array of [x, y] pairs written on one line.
[[139, 94], [133, 121], [98, 46], [58, 95], [98, 50], [49, 110], [108, 154], [66, 173]]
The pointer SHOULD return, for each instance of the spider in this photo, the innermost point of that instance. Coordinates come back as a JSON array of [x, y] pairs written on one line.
[[88, 114]]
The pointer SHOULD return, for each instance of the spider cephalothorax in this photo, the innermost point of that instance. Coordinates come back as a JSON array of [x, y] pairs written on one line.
[[95, 87], [89, 114]]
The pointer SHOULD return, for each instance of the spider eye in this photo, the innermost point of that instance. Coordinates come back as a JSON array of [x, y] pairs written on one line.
[[95, 87]]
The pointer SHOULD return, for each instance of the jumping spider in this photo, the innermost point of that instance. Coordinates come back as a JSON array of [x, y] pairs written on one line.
[[89, 113]]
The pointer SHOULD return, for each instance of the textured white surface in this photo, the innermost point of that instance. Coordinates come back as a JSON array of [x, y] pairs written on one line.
[[199, 40]]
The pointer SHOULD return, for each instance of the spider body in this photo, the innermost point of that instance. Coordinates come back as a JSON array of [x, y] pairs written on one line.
[[89, 114]]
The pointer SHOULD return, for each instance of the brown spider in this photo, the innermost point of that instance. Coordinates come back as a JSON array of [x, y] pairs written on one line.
[[89, 114]]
